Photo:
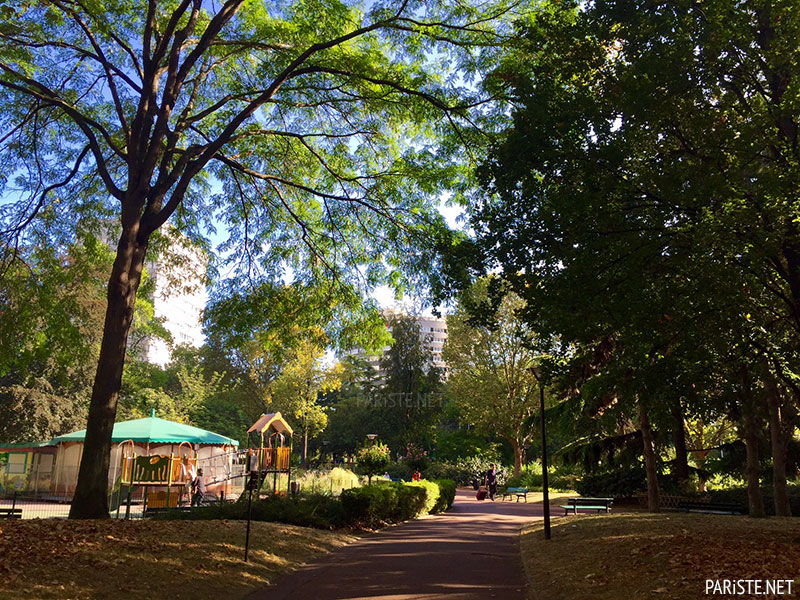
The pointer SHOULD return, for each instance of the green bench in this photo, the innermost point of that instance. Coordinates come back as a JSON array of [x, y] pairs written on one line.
[[514, 491], [576, 504], [10, 513], [714, 508]]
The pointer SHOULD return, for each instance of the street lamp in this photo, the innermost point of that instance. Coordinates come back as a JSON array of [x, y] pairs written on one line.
[[371, 437], [537, 374]]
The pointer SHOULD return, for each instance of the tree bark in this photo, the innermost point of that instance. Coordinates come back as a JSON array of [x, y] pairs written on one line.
[[679, 440], [653, 492], [779, 448], [750, 428], [91, 493], [517, 448]]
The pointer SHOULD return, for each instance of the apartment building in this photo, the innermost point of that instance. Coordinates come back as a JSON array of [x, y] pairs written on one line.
[[432, 334]]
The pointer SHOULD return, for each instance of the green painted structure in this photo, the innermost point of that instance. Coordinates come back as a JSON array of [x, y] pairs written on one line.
[[152, 430]]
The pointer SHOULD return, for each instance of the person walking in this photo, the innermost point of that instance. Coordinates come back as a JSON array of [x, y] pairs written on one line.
[[198, 488], [491, 481]]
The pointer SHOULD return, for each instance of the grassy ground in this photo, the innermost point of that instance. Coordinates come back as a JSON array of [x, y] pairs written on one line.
[[638, 556], [59, 559]]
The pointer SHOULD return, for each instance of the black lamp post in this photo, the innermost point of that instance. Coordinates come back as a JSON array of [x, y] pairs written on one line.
[[537, 374]]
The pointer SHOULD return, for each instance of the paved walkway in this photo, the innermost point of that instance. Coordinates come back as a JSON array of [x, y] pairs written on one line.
[[470, 552]]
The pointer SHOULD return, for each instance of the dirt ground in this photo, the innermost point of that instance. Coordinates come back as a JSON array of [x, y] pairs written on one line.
[[637, 556], [60, 559]]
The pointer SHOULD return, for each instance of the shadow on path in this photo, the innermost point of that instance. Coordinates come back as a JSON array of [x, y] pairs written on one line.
[[469, 552]]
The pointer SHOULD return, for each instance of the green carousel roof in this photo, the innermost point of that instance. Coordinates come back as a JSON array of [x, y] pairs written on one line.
[[152, 429]]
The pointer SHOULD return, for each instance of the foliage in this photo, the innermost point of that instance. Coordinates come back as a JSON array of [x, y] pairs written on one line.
[[617, 484], [416, 458], [490, 380], [388, 502], [334, 481], [296, 391], [319, 135], [409, 404], [738, 495], [372, 459], [447, 495], [531, 478], [34, 413], [306, 510], [462, 471]]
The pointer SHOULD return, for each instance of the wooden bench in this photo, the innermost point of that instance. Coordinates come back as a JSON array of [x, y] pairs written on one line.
[[10, 513], [514, 491], [576, 504], [716, 508]]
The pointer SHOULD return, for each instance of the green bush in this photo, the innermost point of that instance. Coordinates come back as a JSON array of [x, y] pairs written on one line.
[[369, 506], [447, 494], [399, 470], [431, 493], [462, 471], [306, 510], [738, 495], [619, 484], [531, 478], [393, 502], [372, 460], [330, 482]]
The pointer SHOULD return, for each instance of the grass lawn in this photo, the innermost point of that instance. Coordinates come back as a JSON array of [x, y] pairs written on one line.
[[62, 559], [638, 556]]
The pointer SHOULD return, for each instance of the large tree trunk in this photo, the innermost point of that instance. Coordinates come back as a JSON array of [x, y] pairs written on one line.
[[518, 456], [751, 430], [91, 494], [653, 492], [779, 448], [679, 440]]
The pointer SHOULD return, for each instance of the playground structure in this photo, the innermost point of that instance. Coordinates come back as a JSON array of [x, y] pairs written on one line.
[[173, 472], [271, 455]]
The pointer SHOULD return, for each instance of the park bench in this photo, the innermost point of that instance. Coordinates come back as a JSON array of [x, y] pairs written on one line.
[[576, 504], [717, 508], [10, 513], [514, 491], [158, 510]]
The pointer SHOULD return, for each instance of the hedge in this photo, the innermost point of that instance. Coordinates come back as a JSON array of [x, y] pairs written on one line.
[[368, 506]]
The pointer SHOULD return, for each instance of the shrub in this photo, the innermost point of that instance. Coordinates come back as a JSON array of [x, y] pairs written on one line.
[[330, 482], [531, 478], [306, 510], [619, 484], [372, 459], [399, 470], [447, 494], [738, 495], [431, 493], [462, 471], [393, 502], [371, 505]]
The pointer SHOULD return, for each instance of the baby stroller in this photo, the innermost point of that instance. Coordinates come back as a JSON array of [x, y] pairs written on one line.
[[482, 492]]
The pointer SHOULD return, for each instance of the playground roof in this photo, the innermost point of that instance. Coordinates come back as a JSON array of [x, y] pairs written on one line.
[[274, 420], [152, 429]]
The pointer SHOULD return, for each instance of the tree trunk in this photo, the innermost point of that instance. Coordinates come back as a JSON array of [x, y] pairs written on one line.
[[679, 439], [653, 502], [517, 448], [779, 448], [755, 499], [91, 493]]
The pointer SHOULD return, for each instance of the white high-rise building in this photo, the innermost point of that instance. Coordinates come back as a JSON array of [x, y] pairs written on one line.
[[432, 334], [179, 297]]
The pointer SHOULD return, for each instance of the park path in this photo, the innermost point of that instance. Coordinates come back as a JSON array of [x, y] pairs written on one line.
[[470, 552]]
